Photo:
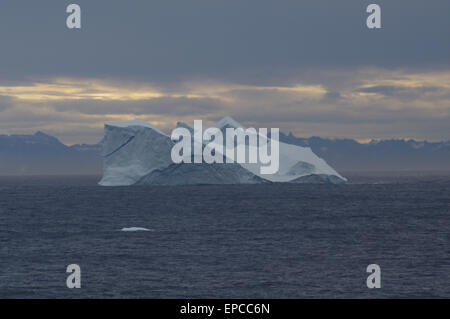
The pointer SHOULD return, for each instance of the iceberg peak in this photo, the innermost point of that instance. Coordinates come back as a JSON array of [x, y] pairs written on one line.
[[227, 121], [134, 123]]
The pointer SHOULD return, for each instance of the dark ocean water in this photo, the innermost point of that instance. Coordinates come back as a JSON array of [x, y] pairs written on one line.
[[264, 241]]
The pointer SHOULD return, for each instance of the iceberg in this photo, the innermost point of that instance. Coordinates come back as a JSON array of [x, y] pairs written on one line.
[[138, 153]]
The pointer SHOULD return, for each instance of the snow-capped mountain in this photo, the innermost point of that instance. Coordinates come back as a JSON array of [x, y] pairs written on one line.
[[139, 153]]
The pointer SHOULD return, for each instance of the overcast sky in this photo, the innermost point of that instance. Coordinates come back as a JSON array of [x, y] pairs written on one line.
[[311, 67]]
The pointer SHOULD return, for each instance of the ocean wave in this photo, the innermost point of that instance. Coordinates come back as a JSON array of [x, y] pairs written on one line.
[[129, 229]]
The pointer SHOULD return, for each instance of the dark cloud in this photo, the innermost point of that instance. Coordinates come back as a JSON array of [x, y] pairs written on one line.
[[246, 41], [332, 96], [161, 106], [401, 91], [5, 102], [287, 115]]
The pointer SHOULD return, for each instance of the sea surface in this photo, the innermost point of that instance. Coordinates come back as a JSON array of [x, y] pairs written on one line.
[[242, 241]]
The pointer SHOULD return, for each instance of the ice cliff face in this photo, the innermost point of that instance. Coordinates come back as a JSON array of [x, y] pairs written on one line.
[[200, 174], [137, 153], [132, 150]]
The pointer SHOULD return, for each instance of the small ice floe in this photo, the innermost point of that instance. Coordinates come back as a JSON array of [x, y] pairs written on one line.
[[135, 229]]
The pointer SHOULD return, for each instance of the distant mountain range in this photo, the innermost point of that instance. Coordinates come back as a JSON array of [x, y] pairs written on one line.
[[42, 154], [384, 155]]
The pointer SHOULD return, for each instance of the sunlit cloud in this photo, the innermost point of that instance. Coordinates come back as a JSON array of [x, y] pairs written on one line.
[[100, 90], [407, 80], [362, 104], [68, 90]]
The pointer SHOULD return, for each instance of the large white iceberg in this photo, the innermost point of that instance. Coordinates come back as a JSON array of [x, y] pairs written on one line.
[[137, 153]]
